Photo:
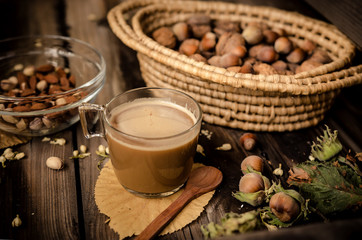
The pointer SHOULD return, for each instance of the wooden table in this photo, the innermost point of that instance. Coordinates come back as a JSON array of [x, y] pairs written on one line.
[[60, 204]]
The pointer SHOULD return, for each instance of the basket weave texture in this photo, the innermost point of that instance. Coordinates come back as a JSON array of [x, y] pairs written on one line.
[[246, 101]]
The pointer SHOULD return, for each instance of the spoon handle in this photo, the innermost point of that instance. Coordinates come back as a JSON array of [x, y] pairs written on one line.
[[161, 221]]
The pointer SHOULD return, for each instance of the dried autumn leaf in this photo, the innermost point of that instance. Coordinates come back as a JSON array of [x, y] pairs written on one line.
[[299, 175]]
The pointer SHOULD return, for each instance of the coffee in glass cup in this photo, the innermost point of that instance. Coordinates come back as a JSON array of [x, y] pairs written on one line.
[[152, 135]]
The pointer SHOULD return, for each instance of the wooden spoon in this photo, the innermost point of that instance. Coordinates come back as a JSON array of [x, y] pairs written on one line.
[[201, 180]]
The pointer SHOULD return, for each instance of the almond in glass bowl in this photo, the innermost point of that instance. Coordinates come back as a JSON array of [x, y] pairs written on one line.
[[43, 80]]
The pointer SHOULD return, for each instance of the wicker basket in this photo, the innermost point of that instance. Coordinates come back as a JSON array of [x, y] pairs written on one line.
[[245, 101]]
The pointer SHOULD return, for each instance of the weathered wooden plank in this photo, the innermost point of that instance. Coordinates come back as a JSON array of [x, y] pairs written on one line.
[[44, 198]]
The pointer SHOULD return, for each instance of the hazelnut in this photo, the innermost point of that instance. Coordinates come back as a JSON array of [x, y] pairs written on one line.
[[308, 65], [280, 31], [253, 34], [200, 24], [222, 26], [189, 46], [254, 162], [225, 61], [198, 57], [199, 31], [165, 37], [208, 41], [230, 42], [296, 56], [308, 46], [270, 36], [239, 51], [264, 69], [321, 56], [236, 69], [181, 31], [229, 59], [253, 51], [267, 54], [280, 65], [246, 68], [283, 45], [214, 61], [199, 19]]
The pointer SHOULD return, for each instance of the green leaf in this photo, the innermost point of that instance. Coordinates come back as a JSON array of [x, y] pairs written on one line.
[[254, 199], [328, 145], [233, 223], [334, 188]]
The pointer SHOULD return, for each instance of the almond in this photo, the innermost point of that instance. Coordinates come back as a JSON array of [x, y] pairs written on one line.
[[32, 82], [45, 68], [51, 78], [38, 106], [22, 108]]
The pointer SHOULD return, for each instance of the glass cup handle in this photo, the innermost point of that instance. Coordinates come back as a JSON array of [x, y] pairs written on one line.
[[91, 119]]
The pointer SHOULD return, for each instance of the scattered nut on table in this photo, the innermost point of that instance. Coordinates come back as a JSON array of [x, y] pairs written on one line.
[[55, 163]]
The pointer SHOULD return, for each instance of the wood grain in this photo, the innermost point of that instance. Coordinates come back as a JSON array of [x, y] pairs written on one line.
[[60, 204]]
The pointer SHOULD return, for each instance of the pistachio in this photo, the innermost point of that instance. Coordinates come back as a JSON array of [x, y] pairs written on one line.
[[36, 124], [42, 85], [75, 153], [58, 141], [200, 149], [18, 67], [60, 101], [224, 147], [21, 125], [55, 163], [29, 70], [10, 119], [2, 161], [7, 85], [16, 222], [101, 149], [19, 156], [278, 171], [83, 148], [47, 122], [9, 155]]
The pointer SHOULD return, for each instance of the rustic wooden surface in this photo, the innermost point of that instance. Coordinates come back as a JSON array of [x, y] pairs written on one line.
[[60, 204]]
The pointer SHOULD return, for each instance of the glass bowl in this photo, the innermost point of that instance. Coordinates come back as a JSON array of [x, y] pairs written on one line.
[[71, 72]]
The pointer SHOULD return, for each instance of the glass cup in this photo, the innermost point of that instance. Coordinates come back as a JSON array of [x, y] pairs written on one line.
[[152, 135]]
